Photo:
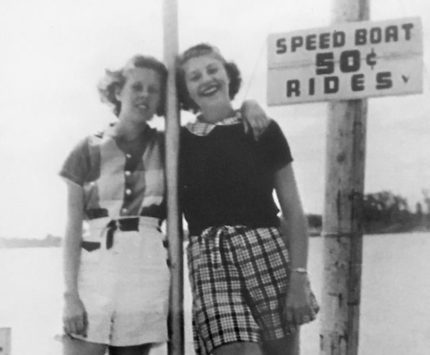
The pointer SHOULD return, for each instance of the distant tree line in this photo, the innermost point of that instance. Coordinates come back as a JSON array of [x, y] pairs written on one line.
[[48, 241], [386, 212], [383, 212]]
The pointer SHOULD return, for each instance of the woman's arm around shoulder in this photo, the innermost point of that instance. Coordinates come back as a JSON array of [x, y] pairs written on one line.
[[254, 118]]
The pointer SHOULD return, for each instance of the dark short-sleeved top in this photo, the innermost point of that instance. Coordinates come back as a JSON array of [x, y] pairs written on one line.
[[119, 180], [227, 178]]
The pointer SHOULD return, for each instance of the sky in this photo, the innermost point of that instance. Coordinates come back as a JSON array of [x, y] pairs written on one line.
[[55, 51]]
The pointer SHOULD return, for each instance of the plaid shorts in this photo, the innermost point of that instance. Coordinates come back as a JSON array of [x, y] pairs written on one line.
[[239, 280]]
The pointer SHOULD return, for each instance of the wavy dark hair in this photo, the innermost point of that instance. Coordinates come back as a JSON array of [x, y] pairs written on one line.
[[185, 101], [115, 80]]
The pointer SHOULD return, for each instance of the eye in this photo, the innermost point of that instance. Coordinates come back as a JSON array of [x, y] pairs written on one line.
[[137, 87], [153, 90], [194, 76], [213, 69]]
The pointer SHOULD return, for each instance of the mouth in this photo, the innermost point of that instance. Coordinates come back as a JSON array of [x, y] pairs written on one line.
[[209, 90], [142, 105]]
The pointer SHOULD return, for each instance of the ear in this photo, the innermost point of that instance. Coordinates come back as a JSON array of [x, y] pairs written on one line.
[[117, 93]]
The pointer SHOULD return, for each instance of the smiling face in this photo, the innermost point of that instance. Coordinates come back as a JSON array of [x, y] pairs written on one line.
[[207, 81], [141, 93]]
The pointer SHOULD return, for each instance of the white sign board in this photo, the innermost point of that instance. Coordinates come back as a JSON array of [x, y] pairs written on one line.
[[345, 61]]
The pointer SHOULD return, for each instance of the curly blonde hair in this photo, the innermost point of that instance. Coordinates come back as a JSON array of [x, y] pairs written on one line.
[[114, 80]]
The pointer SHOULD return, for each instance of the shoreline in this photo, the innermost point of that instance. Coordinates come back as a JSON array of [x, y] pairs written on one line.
[[56, 242]]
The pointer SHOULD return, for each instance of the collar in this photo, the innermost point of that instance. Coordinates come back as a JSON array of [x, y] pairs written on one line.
[[110, 133], [200, 128]]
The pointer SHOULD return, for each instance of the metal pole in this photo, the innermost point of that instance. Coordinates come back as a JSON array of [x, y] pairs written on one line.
[[174, 228], [342, 220]]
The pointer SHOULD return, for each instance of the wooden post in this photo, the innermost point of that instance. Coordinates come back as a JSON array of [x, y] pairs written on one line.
[[174, 225], [5, 336], [342, 220]]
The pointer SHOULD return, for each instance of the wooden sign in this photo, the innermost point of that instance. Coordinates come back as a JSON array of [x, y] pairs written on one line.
[[346, 61]]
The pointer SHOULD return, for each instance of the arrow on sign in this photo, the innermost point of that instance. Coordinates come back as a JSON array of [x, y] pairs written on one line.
[[405, 78]]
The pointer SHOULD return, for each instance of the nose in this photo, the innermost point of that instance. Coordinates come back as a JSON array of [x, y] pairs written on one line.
[[144, 92], [206, 77]]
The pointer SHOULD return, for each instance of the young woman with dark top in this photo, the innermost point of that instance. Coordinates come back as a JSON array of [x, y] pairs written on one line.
[[249, 292]]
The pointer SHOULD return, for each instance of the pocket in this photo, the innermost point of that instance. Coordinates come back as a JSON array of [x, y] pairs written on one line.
[[165, 242], [91, 252], [194, 261], [161, 252], [314, 302], [90, 246]]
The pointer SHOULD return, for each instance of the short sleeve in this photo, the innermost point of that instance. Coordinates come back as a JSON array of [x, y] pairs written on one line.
[[276, 151], [76, 167]]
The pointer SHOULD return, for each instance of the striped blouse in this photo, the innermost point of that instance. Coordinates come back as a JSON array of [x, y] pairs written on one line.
[[120, 179]]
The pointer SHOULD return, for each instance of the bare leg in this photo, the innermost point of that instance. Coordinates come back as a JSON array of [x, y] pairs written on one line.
[[290, 345], [239, 348], [130, 350], [80, 347]]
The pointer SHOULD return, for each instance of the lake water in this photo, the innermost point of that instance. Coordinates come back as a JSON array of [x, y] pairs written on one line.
[[395, 309]]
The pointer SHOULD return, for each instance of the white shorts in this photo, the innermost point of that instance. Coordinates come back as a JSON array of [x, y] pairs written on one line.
[[125, 289]]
